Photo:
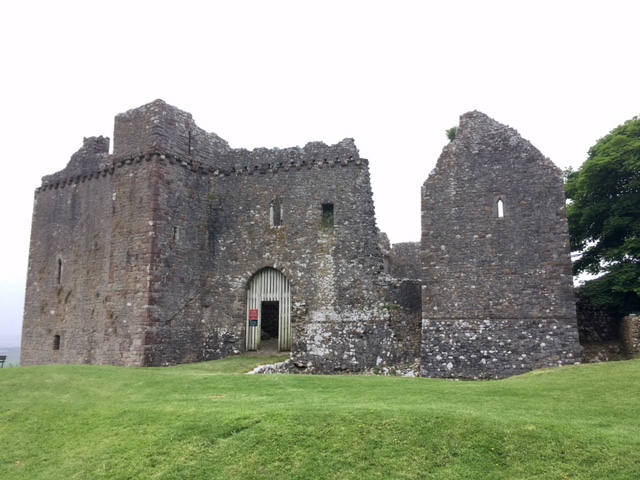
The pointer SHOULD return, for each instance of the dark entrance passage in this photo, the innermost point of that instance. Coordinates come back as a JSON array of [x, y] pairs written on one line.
[[270, 320]]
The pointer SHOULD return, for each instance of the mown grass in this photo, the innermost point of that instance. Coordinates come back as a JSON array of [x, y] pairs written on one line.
[[211, 421]]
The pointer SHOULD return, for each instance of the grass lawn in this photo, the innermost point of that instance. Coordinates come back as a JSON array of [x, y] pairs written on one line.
[[210, 421]]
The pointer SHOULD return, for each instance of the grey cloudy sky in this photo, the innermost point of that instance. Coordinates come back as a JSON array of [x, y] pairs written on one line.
[[392, 75]]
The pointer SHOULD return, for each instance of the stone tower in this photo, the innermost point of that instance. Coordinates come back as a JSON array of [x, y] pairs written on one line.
[[497, 284]]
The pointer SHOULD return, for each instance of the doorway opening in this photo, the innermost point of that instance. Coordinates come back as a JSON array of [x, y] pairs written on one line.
[[269, 311], [270, 320]]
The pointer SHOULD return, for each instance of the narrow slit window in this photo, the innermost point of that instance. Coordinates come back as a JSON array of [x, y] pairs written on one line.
[[56, 342], [176, 234], [276, 213], [500, 208], [327, 215], [59, 271]]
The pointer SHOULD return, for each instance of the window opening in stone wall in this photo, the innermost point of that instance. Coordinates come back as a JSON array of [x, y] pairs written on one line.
[[500, 208], [275, 215], [327, 215], [59, 271], [176, 234], [189, 144], [56, 342]]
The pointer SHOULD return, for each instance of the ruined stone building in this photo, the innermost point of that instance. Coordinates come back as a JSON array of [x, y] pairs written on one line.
[[178, 248], [497, 280]]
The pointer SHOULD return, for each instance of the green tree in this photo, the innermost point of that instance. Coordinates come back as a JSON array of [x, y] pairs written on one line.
[[604, 219]]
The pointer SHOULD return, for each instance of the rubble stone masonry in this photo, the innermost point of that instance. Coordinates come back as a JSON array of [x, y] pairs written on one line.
[[497, 293]]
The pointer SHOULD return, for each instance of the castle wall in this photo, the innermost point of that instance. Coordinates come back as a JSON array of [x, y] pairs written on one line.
[[158, 243], [200, 280], [86, 298], [404, 260], [497, 285], [334, 271], [191, 321], [384, 333], [630, 335], [595, 324]]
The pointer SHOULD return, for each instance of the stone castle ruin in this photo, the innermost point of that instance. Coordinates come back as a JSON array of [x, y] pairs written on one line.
[[178, 248]]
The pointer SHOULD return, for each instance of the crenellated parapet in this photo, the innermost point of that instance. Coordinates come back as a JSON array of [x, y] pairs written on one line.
[[62, 178], [312, 152], [162, 133], [87, 160]]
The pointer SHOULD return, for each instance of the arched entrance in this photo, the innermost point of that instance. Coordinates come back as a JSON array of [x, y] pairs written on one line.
[[269, 309]]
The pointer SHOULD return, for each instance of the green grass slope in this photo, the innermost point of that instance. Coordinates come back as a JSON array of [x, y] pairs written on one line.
[[211, 421]]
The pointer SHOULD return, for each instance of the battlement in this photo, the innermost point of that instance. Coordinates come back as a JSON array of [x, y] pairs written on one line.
[[62, 178], [158, 131], [87, 160]]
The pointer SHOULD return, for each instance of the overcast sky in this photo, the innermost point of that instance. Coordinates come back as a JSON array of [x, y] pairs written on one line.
[[392, 75]]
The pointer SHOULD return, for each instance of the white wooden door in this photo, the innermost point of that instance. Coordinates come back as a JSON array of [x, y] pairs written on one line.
[[269, 285]]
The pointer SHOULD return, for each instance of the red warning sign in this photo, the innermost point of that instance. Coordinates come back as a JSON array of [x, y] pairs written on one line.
[[253, 314]]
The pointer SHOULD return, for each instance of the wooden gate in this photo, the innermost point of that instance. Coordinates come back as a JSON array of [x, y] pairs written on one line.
[[268, 286]]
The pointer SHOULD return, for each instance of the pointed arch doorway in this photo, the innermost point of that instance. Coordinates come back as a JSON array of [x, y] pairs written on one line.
[[269, 309]]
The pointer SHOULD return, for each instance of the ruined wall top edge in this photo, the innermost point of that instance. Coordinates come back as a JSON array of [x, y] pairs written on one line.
[[481, 136], [159, 128], [63, 177]]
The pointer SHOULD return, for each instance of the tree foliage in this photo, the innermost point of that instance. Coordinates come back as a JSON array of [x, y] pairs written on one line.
[[604, 218]]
